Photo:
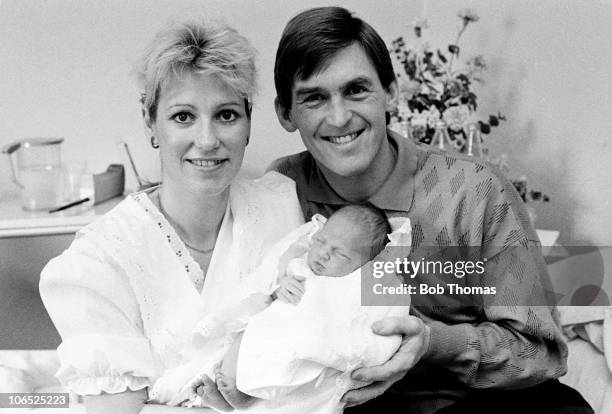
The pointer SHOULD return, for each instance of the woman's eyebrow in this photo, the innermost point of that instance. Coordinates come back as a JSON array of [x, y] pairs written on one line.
[[232, 103], [180, 105]]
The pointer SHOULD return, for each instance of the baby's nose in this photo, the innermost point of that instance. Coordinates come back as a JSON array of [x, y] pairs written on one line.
[[324, 254]]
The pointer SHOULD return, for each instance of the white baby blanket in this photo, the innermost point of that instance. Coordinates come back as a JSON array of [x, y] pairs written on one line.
[[287, 348], [298, 358]]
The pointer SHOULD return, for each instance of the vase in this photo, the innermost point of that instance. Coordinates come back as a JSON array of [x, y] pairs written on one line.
[[404, 129], [441, 139], [531, 212], [474, 142]]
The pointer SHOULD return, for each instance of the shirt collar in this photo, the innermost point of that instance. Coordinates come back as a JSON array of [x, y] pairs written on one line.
[[397, 191]]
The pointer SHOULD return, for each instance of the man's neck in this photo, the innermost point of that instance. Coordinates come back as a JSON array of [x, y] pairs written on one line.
[[360, 187]]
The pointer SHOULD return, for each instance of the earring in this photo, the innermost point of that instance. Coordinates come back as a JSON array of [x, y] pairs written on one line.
[[247, 143], [154, 143]]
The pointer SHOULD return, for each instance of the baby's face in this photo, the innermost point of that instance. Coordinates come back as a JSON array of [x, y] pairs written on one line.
[[336, 249]]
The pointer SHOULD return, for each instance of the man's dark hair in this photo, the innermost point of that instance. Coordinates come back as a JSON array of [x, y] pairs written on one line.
[[312, 37], [374, 219]]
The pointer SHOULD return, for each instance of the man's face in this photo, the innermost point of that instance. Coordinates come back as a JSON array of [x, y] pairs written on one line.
[[340, 113]]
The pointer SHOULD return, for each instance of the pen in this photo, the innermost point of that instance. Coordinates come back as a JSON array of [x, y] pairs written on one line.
[[74, 203]]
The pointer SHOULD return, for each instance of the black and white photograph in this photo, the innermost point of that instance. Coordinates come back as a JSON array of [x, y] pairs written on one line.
[[305, 207]]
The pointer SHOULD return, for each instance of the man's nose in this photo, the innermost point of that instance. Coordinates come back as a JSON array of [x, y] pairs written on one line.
[[205, 136], [338, 114]]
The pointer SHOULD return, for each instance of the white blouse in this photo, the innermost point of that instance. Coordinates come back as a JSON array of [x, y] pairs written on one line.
[[124, 296]]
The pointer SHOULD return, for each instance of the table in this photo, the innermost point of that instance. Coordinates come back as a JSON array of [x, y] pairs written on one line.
[[17, 222], [28, 240]]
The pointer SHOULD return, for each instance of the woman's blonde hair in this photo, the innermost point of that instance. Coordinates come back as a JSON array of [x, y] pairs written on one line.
[[201, 48]]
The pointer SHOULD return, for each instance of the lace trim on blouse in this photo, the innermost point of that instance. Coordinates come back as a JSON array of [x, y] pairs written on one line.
[[192, 268]]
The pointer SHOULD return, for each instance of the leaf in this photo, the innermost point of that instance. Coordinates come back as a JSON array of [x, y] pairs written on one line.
[[442, 57], [410, 68], [472, 98], [454, 49], [484, 127], [493, 120], [535, 195], [463, 78]]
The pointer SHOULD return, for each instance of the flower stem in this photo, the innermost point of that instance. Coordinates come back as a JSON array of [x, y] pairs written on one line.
[[459, 34]]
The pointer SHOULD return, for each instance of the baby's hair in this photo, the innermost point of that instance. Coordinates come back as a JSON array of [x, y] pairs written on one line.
[[367, 214]]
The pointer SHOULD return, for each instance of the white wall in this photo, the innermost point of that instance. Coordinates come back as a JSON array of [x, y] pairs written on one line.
[[65, 70], [550, 74]]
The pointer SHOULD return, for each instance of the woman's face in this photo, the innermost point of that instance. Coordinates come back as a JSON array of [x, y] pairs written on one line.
[[202, 127]]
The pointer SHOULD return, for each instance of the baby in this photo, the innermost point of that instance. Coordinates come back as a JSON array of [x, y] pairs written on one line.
[[351, 237]]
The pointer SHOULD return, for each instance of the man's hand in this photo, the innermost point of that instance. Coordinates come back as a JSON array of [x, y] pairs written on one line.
[[291, 289], [415, 342]]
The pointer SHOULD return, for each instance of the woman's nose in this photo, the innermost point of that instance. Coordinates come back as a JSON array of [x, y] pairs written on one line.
[[338, 114], [206, 137]]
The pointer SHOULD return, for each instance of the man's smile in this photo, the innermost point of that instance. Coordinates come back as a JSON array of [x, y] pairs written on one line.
[[343, 139]]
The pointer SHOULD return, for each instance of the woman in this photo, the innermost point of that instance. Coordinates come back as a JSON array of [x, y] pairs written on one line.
[[129, 290]]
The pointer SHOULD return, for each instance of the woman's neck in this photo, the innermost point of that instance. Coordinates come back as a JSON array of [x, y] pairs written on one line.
[[196, 217]]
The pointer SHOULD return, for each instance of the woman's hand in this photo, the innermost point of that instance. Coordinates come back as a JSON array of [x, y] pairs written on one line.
[[415, 342], [291, 289]]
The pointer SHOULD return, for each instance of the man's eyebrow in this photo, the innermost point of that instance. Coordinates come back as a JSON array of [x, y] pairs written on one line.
[[361, 80], [306, 91]]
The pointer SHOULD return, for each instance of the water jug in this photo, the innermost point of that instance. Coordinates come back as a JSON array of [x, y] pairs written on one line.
[[36, 164]]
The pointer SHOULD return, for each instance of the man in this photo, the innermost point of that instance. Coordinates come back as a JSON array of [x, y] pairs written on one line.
[[335, 85]]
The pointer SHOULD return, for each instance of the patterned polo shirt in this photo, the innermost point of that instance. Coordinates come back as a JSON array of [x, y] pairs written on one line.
[[456, 200]]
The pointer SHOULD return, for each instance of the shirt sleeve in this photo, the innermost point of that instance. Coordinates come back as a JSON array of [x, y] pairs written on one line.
[[516, 341], [94, 309]]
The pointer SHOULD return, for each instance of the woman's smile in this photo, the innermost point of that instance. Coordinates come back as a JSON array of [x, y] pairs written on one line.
[[208, 164]]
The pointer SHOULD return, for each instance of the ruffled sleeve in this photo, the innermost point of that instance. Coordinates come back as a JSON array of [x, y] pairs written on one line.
[[92, 305]]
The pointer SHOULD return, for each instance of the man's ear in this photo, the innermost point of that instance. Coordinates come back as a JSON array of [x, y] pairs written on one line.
[[392, 97], [284, 116]]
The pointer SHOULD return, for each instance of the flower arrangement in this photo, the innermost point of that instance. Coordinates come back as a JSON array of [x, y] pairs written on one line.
[[432, 89]]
